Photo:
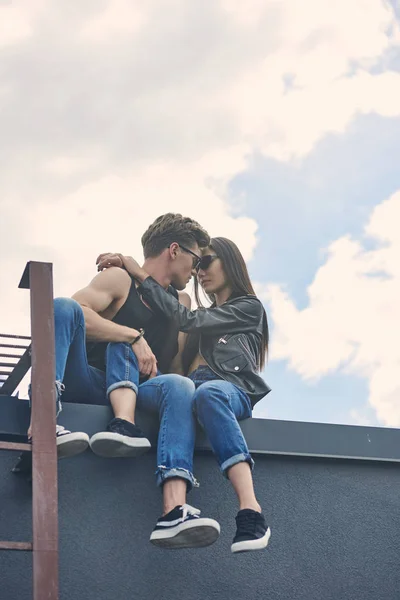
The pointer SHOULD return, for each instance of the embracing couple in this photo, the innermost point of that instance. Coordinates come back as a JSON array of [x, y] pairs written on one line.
[[129, 339]]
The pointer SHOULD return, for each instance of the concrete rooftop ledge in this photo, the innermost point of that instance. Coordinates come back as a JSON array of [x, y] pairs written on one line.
[[264, 436]]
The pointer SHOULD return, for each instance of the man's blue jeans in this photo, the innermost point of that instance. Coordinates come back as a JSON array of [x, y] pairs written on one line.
[[177, 401], [84, 383], [169, 396]]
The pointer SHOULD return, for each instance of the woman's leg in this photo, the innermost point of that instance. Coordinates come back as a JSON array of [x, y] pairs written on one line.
[[219, 405], [242, 481]]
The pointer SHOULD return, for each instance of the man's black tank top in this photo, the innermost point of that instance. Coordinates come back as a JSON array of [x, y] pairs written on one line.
[[160, 333]]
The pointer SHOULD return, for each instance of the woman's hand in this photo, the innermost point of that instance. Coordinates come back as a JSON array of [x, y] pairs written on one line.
[[109, 259]]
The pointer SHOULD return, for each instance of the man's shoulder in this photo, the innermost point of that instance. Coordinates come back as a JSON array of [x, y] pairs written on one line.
[[114, 279]]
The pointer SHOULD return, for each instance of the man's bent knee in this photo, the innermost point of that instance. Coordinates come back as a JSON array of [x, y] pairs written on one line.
[[175, 389], [177, 383], [66, 306]]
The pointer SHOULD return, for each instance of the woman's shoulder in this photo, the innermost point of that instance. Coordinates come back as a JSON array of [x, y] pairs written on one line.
[[248, 299], [249, 304]]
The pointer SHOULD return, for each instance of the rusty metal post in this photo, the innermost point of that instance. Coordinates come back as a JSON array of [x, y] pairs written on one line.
[[44, 451]]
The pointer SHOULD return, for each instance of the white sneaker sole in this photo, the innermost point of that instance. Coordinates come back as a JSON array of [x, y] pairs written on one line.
[[71, 444], [249, 545], [115, 445], [192, 534]]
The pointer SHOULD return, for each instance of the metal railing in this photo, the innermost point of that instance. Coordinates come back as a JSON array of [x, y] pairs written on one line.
[[38, 277], [15, 361]]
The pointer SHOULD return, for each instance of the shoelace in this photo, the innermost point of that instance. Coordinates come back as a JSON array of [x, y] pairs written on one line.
[[247, 522], [189, 510], [60, 430]]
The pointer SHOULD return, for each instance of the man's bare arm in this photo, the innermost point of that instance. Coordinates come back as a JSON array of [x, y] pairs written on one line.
[[176, 365], [106, 288]]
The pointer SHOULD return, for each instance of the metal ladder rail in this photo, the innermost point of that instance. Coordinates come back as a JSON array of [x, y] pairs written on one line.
[[38, 277]]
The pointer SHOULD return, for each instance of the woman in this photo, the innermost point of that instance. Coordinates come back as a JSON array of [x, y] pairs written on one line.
[[223, 356]]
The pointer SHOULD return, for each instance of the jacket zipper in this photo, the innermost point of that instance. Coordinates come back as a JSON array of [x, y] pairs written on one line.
[[247, 352]]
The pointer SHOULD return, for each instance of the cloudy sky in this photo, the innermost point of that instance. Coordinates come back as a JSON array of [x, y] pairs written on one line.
[[273, 122]]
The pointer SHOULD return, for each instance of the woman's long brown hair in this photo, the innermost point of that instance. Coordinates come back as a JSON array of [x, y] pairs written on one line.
[[238, 277]]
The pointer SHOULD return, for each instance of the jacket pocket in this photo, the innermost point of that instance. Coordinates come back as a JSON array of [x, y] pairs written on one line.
[[235, 365]]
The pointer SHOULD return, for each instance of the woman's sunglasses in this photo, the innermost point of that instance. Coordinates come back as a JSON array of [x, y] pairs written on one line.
[[200, 262]]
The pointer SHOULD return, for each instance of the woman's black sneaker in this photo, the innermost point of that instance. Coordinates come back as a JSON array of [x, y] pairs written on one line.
[[122, 439], [182, 527], [252, 532]]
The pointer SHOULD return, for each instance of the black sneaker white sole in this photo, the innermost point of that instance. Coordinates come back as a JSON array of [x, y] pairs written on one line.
[[251, 545], [190, 534], [116, 445], [71, 444]]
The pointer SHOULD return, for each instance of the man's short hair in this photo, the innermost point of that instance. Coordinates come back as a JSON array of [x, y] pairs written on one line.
[[171, 228]]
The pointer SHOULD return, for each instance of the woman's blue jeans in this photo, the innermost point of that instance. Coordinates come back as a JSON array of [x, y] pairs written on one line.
[[177, 401], [180, 402]]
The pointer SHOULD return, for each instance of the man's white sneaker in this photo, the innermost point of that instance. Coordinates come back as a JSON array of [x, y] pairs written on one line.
[[70, 444], [183, 527]]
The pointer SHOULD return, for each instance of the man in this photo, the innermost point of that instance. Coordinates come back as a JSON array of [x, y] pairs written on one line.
[[111, 348], [106, 337]]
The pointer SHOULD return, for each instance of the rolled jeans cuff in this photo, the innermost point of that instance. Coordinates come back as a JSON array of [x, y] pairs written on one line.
[[234, 460], [164, 473], [122, 384]]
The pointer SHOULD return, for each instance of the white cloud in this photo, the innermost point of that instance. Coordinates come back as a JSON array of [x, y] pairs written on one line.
[[352, 321], [147, 80], [319, 46], [119, 111], [119, 17], [17, 20], [110, 215], [65, 166]]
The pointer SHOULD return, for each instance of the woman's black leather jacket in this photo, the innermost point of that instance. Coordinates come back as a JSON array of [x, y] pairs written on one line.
[[230, 335]]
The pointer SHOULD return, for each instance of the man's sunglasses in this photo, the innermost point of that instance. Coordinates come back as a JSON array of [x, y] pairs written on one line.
[[200, 262]]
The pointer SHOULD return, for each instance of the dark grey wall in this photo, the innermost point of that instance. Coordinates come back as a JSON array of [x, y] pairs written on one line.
[[335, 532]]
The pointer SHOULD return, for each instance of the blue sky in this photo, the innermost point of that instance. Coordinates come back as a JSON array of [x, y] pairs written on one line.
[[301, 209], [274, 124]]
